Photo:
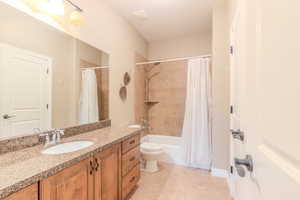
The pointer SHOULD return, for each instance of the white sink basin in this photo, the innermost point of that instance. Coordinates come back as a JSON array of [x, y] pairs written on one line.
[[67, 147], [134, 126]]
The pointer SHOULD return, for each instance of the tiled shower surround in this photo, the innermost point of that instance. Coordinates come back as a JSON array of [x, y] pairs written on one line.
[[166, 96]]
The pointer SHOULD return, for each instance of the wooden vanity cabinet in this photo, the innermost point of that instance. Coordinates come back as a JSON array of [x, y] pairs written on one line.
[[28, 193], [73, 183], [96, 178], [109, 175]]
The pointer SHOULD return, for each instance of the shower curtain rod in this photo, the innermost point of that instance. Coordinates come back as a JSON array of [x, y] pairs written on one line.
[[172, 59], [97, 67]]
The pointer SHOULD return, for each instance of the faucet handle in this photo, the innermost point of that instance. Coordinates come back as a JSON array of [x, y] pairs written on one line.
[[50, 137], [47, 136], [37, 130], [59, 133], [145, 123], [44, 134], [54, 138]]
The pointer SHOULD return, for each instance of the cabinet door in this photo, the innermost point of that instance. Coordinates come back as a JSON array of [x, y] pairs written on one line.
[[108, 183], [29, 193], [74, 183]]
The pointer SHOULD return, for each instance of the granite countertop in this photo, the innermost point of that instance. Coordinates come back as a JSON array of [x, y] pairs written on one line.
[[22, 168]]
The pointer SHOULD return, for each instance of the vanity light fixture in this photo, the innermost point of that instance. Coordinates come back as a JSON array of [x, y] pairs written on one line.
[[76, 17], [57, 7]]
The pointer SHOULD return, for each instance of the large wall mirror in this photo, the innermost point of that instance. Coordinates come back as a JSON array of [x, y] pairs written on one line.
[[48, 79]]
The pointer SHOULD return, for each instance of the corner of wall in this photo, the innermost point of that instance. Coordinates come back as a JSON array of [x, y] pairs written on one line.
[[221, 86]]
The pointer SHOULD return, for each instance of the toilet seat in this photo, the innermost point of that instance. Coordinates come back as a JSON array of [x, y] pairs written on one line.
[[151, 147]]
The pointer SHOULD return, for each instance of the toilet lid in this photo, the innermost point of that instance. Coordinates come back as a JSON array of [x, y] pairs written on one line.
[[150, 147]]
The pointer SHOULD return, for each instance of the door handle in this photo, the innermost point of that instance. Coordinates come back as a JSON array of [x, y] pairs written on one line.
[[6, 116], [239, 135], [247, 162]]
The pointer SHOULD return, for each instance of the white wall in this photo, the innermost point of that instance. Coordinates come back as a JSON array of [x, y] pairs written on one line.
[[106, 30], [192, 45], [221, 85]]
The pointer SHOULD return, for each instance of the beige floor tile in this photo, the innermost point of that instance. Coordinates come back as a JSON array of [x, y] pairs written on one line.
[[174, 182]]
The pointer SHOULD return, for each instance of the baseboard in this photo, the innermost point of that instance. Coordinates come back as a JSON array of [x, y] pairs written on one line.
[[231, 186], [222, 173]]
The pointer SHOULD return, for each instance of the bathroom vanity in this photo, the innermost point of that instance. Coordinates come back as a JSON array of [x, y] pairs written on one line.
[[108, 170]]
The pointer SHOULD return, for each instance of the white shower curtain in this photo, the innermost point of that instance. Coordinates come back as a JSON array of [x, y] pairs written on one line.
[[88, 111], [196, 133]]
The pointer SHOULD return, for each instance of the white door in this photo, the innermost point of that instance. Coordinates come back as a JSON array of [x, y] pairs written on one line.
[[236, 146], [269, 85], [25, 87]]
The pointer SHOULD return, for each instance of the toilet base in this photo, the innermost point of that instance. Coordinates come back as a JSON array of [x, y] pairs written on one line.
[[151, 166]]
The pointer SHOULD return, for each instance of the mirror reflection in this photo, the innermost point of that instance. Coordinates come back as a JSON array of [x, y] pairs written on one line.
[[48, 79]]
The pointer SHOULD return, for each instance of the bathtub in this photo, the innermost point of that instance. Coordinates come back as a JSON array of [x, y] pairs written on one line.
[[171, 147]]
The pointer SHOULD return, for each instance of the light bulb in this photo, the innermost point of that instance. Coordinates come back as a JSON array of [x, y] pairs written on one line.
[[55, 7], [76, 18]]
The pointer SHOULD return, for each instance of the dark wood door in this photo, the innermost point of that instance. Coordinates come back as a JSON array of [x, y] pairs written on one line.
[[74, 183]]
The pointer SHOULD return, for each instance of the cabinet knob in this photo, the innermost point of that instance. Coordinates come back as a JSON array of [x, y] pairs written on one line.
[[132, 142], [132, 179], [91, 167], [96, 164], [132, 159]]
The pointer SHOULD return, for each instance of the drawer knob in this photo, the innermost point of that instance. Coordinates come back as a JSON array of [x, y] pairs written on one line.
[[132, 179], [132, 142], [91, 167], [132, 159], [97, 164]]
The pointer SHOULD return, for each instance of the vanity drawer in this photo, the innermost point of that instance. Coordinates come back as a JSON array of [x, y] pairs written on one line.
[[130, 143], [130, 181], [130, 160]]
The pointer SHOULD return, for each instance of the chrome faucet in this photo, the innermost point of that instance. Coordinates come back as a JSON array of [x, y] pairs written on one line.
[[145, 123], [47, 138], [58, 133], [55, 135]]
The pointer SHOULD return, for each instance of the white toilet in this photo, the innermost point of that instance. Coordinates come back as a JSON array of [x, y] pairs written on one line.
[[150, 153]]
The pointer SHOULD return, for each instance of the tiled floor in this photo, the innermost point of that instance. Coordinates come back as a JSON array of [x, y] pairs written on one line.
[[181, 183]]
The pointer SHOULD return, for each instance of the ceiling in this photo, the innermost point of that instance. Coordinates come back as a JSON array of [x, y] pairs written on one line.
[[166, 19]]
